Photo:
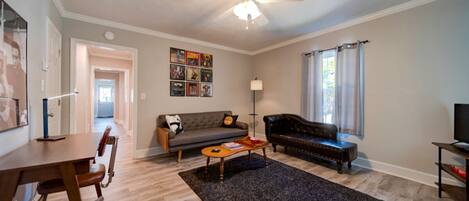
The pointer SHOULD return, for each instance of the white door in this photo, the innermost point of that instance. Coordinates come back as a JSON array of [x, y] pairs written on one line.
[[53, 76]]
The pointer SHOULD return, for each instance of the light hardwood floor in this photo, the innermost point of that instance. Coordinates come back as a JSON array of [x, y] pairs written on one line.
[[157, 179]]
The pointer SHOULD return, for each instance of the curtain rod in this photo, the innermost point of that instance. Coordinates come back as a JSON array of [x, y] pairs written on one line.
[[340, 46]]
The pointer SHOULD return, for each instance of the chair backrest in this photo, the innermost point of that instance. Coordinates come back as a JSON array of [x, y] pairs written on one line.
[[113, 140], [103, 141]]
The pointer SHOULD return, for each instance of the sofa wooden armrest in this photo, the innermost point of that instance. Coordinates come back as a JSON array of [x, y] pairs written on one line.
[[162, 136]]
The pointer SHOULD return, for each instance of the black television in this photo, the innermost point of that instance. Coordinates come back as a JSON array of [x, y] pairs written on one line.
[[461, 122]]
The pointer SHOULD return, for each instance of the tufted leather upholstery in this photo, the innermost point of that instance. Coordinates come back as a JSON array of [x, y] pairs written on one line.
[[317, 138]]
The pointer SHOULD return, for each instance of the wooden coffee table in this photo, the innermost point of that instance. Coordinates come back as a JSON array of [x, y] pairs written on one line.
[[246, 146]]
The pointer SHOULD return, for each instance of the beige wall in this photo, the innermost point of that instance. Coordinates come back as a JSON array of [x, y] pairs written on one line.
[[35, 12], [232, 73], [416, 69]]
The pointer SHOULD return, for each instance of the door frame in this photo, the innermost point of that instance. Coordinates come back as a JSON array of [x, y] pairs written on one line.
[[50, 24], [129, 94], [133, 91]]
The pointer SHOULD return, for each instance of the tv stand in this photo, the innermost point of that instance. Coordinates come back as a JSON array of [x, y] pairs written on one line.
[[455, 192], [461, 145]]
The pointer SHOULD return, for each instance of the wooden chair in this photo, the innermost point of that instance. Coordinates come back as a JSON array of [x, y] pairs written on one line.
[[94, 177]]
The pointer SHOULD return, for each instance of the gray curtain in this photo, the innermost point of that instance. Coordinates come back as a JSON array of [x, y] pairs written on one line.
[[312, 98], [349, 110]]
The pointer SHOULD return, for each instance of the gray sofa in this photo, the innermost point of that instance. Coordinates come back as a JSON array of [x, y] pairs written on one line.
[[200, 129]]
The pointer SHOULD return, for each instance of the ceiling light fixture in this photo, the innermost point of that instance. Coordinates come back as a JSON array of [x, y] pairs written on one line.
[[248, 11]]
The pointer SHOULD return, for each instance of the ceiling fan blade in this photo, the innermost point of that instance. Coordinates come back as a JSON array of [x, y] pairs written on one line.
[[261, 20], [222, 13], [275, 1]]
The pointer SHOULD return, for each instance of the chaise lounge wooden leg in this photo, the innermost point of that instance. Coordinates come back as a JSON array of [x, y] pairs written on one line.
[[349, 164], [179, 155], [275, 147], [339, 167], [43, 198]]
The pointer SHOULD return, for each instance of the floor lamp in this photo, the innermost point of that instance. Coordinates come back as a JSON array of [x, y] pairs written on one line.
[[256, 85]]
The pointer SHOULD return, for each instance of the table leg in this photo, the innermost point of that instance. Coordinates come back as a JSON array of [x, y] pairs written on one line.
[[265, 156], [70, 181], [8, 184], [467, 180], [222, 168], [249, 154], [439, 172], [208, 163]]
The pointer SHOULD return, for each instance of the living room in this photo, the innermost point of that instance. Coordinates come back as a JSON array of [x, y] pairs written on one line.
[[320, 100]]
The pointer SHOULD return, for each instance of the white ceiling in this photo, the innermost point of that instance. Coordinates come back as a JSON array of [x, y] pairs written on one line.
[[212, 21]]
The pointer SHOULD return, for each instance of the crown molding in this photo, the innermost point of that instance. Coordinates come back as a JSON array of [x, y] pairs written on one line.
[[60, 7], [373, 16], [141, 30]]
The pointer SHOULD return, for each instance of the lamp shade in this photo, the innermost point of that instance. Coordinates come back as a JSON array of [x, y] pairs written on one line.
[[256, 85]]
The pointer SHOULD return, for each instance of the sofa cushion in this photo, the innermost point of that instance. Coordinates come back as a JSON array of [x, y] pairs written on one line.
[[194, 121], [206, 134]]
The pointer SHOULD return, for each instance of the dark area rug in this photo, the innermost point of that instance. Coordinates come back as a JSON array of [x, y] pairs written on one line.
[[247, 180]]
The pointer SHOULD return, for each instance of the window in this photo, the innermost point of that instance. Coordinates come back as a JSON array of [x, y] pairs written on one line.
[[329, 85], [105, 94], [333, 91]]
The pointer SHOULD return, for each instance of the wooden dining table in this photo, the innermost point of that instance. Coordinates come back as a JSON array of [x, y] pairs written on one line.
[[39, 161]]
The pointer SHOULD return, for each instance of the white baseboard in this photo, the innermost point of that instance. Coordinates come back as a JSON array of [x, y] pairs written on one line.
[[406, 173], [395, 170], [144, 153]]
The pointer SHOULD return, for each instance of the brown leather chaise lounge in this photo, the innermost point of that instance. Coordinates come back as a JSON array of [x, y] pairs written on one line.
[[200, 129], [318, 139]]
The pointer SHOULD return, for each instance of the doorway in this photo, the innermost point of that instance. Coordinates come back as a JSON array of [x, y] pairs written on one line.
[[104, 98], [104, 75]]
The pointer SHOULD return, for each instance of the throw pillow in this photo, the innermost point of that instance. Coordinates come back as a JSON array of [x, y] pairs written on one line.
[[229, 121], [174, 123]]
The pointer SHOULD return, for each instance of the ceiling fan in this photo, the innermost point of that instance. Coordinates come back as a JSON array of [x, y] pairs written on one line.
[[251, 11]]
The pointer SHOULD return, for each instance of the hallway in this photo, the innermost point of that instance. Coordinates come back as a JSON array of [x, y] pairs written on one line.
[[101, 123]]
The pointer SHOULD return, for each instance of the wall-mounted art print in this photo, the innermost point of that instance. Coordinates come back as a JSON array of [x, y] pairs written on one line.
[[206, 75], [206, 60], [192, 89], [177, 72], [13, 69], [206, 90], [177, 56], [193, 74], [192, 58], [177, 88]]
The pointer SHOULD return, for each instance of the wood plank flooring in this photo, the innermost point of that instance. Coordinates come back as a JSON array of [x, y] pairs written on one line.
[[157, 179]]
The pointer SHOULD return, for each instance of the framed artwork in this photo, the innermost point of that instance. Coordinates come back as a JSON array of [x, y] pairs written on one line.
[[177, 56], [206, 90], [192, 89], [206, 75], [13, 69], [206, 60], [192, 58], [177, 88], [193, 74], [177, 72]]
